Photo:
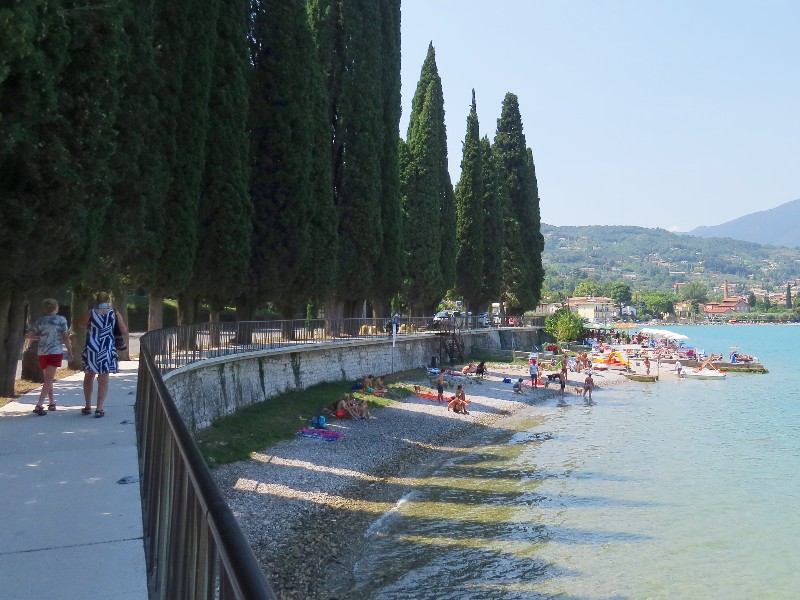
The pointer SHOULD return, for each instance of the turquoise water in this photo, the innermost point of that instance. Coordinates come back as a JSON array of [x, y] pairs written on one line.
[[680, 489]]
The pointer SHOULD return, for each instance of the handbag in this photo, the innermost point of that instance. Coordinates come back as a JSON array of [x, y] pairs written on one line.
[[119, 339]]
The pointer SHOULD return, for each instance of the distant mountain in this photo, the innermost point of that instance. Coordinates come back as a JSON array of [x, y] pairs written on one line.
[[779, 226], [658, 259]]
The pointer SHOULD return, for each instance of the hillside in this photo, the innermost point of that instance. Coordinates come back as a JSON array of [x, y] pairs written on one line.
[[779, 226], [658, 259]]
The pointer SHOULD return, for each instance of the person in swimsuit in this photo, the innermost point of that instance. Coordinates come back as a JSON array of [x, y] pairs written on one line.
[[459, 402], [440, 386], [588, 386]]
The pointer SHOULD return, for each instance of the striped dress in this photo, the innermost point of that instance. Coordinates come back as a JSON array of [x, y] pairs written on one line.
[[100, 354]]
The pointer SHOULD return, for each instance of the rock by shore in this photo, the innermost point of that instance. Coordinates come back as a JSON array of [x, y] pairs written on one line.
[[305, 503]]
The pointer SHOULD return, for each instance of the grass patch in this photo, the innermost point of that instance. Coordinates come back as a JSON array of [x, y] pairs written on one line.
[[251, 429]]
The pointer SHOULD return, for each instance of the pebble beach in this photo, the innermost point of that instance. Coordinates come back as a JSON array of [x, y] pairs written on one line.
[[304, 503]]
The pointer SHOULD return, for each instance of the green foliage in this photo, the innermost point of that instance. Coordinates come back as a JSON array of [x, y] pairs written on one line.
[[659, 259], [421, 183], [225, 210], [588, 287], [620, 292], [389, 268], [281, 125], [695, 292], [522, 267], [470, 217], [495, 198], [186, 31], [564, 325], [656, 304]]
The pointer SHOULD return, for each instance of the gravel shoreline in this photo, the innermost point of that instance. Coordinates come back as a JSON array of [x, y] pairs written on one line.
[[304, 504]]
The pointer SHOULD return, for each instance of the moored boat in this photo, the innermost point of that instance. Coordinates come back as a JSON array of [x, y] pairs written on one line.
[[706, 370]]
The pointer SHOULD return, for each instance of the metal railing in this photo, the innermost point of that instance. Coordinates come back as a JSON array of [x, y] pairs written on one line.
[[194, 548], [180, 346]]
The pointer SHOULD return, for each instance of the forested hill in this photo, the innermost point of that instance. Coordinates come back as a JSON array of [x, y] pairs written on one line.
[[658, 259], [779, 226]]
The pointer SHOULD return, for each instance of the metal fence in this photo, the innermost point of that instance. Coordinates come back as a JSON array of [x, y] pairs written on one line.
[[194, 548]]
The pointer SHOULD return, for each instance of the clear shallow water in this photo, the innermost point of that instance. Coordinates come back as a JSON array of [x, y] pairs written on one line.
[[684, 489]]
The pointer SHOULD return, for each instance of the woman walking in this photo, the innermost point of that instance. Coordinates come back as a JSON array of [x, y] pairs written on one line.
[[52, 331], [100, 354]]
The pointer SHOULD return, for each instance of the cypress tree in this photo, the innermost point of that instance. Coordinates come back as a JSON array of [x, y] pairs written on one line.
[[469, 216], [320, 265], [522, 272], [389, 268], [788, 296], [349, 44], [186, 32], [495, 199], [426, 128], [423, 285], [281, 126], [225, 211]]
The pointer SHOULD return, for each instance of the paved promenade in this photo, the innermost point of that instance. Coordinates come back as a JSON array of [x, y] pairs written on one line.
[[70, 529]]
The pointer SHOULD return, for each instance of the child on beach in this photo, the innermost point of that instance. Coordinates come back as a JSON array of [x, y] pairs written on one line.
[[440, 386], [518, 389]]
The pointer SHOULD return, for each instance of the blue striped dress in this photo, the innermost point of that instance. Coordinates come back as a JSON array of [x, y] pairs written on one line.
[[100, 354]]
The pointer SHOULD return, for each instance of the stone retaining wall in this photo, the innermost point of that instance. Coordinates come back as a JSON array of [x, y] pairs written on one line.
[[215, 387]]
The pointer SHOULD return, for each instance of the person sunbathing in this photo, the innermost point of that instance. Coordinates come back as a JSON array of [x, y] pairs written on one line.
[[347, 407], [470, 368], [480, 370], [380, 386]]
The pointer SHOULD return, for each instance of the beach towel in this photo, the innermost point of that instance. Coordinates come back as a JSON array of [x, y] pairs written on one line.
[[430, 396], [321, 434]]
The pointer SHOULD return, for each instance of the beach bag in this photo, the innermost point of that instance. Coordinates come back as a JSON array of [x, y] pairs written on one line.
[[319, 422], [119, 339]]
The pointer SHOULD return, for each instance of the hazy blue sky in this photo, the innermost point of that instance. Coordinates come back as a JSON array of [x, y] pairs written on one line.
[[662, 113]]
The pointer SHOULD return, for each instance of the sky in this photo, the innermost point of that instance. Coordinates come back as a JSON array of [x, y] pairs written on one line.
[[656, 113]]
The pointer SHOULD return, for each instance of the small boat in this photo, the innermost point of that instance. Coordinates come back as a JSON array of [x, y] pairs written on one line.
[[706, 370], [642, 377]]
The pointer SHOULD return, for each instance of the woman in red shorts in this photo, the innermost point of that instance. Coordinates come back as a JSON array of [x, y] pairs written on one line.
[[52, 331]]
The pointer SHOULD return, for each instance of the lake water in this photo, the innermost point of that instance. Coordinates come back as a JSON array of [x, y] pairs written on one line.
[[679, 489]]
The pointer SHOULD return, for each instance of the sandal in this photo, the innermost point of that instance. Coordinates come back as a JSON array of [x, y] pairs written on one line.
[[39, 410], [99, 413], [51, 406], [86, 411]]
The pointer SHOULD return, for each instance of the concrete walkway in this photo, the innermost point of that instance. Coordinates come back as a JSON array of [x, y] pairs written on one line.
[[70, 529]]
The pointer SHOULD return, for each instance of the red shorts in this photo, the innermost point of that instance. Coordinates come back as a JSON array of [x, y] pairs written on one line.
[[50, 360]]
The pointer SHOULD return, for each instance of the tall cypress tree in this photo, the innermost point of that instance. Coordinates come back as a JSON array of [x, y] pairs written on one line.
[[469, 216], [321, 262], [349, 39], [281, 126], [522, 273], [186, 35], [389, 268], [495, 199], [426, 128], [225, 211], [423, 284]]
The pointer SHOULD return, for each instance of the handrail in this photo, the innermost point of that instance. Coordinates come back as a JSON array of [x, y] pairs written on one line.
[[194, 547]]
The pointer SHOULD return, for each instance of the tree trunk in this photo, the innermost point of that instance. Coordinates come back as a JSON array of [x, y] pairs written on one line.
[[12, 337], [119, 300], [79, 305], [155, 315], [30, 357]]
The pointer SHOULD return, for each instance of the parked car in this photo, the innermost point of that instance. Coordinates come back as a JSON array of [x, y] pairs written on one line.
[[484, 320]]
